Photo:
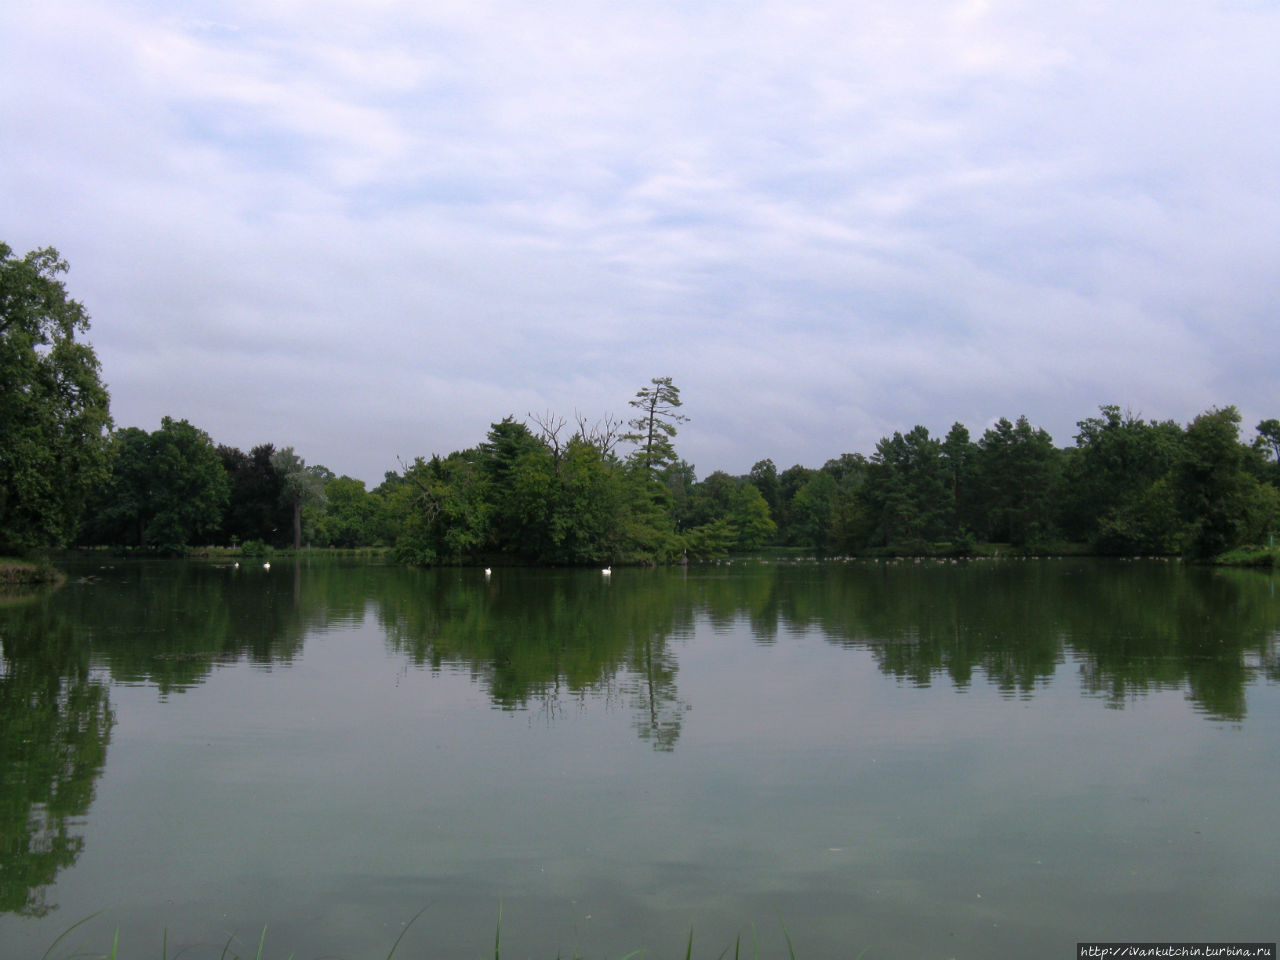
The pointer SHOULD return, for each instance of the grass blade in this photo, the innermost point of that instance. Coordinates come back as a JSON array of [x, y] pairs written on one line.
[[406, 930], [790, 949], [63, 935]]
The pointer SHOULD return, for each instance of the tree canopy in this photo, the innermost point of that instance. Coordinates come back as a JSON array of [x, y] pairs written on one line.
[[653, 429], [533, 492], [54, 409]]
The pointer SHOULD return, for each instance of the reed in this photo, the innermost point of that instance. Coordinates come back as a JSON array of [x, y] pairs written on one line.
[[230, 953]]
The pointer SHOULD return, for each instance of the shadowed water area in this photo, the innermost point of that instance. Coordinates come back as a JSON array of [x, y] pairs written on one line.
[[989, 759]]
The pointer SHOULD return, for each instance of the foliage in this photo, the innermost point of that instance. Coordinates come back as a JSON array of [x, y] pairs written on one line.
[[445, 516], [1212, 487], [300, 485], [56, 715], [725, 513], [1268, 439], [1127, 486], [654, 429], [257, 508], [1264, 557], [1115, 493], [54, 414], [1017, 464], [907, 489], [255, 548], [168, 489], [351, 517], [531, 496], [14, 571], [764, 477]]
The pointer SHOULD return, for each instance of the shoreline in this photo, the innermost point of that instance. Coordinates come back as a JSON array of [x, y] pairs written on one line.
[[25, 573]]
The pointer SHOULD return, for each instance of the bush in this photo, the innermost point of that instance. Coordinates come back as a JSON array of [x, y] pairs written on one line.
[[255, 548]]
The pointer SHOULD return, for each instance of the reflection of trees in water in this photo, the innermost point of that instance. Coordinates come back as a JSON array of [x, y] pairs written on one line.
[[1132, 627], [537, 639], [541, 640], [55, 723], [653, 692], [171, 623]]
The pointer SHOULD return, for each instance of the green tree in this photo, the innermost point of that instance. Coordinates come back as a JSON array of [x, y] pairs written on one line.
[[1268, 439], [300, 485], [1109, 478], [851, 523], [906, 488], [521, 490], [728, 513], [680, 481], [764, 477], [959, 456], [350, 517], [443, 510], [654, 429], [793, 530], [118, 514], [812, 511], [188, 490], [1017, 467], [167, 489], [590, 514], [1266, 446], [54, 417], [648, 533], [257, 507], [1217, 498]]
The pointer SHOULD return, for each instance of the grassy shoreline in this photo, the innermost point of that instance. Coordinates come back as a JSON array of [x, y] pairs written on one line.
[[25, 572], [1264, 558]]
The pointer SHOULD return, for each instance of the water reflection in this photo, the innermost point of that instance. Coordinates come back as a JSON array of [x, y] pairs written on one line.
[[56, 720], [538, 638], [541, 640], [1131, 627], [532, 636]]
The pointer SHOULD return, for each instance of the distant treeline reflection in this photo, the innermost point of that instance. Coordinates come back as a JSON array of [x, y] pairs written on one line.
[[539, 640], [528, 634]]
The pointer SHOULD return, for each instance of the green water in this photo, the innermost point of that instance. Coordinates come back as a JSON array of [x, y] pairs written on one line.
[[984, 759]]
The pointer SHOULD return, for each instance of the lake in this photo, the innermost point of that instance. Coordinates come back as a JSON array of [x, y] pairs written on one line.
[[987, 759]]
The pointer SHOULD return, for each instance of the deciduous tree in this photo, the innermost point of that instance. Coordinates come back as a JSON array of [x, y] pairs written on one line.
[[54, 417], [300, 485]]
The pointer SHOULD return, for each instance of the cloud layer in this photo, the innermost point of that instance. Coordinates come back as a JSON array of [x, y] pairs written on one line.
[[369, 229]]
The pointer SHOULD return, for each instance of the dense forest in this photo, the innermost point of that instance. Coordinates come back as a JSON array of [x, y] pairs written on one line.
[[544, 490], [539, 491]]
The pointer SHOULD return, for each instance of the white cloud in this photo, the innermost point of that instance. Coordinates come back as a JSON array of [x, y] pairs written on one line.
[[377, 227]]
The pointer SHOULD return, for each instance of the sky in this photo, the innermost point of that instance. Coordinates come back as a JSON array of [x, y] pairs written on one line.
[[368, 230]]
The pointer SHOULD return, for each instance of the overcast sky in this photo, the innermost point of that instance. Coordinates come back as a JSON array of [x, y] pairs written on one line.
[[369, 229]]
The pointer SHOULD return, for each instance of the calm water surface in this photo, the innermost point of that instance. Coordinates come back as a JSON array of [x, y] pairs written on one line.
[[986, 759]]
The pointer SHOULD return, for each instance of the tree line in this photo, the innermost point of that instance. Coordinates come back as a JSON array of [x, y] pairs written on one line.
[[537, 491], [545, 490], [1126, 486]]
